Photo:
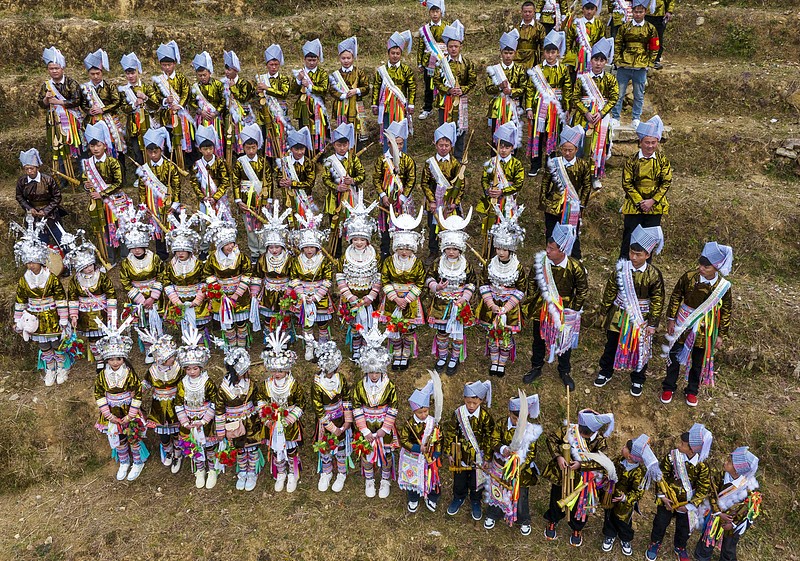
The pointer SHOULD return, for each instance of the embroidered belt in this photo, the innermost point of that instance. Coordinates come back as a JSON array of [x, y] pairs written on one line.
[[91, 304], [41, 304], [239, 412], [119, 399], [164, 394]]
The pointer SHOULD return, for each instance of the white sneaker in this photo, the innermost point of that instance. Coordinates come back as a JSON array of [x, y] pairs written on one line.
[[614, 122], [167, 461], [291, 483], [424, 115], [383, 492], [338, 483], [324, 482], [176, 463], [61, 375], [280, 482], [200, 478], [135, 471], [309, 353], [211, 479], [122, 471], [240, 480], [369, 488], [635, 124], [488, 524], [250, 482], [49, 377], [596, 185]]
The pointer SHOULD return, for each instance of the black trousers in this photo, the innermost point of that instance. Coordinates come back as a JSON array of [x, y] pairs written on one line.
[[464, 481], [616, 527], [670, 382], [630, 222], [433, 237], [548, 27], [554, 513], [702, 552], [427, 99], [458, 147], [523, 509], [412, 496], [661, 26], [386, 245], [550, 221], [607, 360], [538, 356], [661, 522]]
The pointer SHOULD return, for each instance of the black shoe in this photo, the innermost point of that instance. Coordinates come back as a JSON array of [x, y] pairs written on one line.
[[492, 370], [501, 370], [636, 389], [404, 364], [568, 381], [601, 380], [396, 364], [440, 365], [532, 375], [452, 367]]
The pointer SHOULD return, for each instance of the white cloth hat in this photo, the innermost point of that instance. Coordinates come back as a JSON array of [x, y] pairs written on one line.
[[720, 256], [564, 235], [349, 44], [169, 50], [97, 59], [573, 135], [453, 32], [30, 157], [302, 136], [51, 54], [446, 130], [700, 440], [436, 4], [344, 130], [231, 60], [273, 52], [533, 405], [252, 132], [399, 129], [313, 48], [509, 40], [558, 39], [402, 40], [205, 133], [653, 127], [649, 238], [130, 61], [650, 5], [98, 131], [507, 132], [421, 397], [605, 47], [203, 60], [598, 3], [160, 137], [594, 421], [481, 390]]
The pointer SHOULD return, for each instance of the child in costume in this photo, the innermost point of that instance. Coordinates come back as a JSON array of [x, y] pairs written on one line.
[[173, 96], [502, 290], [333, 412], [40, 307], [513, 467], [210, 180], [310, 84], [506, 82], [451, 283], [237, 93], [631, 309], [582, 34], [273, 89], [102, 100], [359, 277], [195, 401], [271, 274], [395, 88], [349, 86], [686, 484], [468, 443], [426, 62], [118, 393], [421, 440], [374, 399], [442, 182], [403, 277], [298, 173], [207, 100], [698, 317], [283, 401]]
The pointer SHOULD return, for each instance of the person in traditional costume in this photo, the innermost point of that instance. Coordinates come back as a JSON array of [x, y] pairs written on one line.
[[513, 467], [310, 85], [173, 94], [41, 309], [210, 180], [349, 86], [426, 61], [551, 13], [195, 403], [298, 173], [237, 93], [102, 100], [503, 284], [468, 443], [421, 441], [591, 469], [333, 418], [631, 308], [162, 378], [227, 272], [582, 33], [451, 282], [394, 88], [733, 507], [40, 196], [271, 275], [207, 101], [139, 105], [506, 82], [273, 89], [238, 423], [686, 484], [311, 278], [403, 279], [637, 469], [698, 318], [359, 279], [252, 179], [566, 187], [556, 300], [531, 33], [91, 295], [118, 394], [281, 407]]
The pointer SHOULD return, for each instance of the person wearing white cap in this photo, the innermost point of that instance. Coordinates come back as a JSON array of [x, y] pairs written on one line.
[[101, 99], [394, 86], [660, 17], [207, 101], [636, 48], [252, 180], [451, 98], [426, 62], [566, 186], [310, 85], [298, 173], [519, 448], [442, 182], [349, 85], [506, 82], [274, 85], [631, 308], [732, 510], [698, 318], [343, 181], [687, 480], [579, 43], [646, 180], [587, 461], [531, 35], [393, 178], [547, 100], [40, 195], [174, 91], [159, 183], [140, 102], [210, 179], [237, 93], [551, 14], [557, 296]]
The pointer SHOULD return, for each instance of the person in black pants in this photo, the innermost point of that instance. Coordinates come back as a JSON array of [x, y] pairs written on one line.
[[660, 18]]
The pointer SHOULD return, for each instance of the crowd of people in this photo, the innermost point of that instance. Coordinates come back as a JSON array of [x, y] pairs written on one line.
[[248, 158]]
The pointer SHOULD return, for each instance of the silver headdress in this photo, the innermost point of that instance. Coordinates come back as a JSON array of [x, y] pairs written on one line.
[[276, 230], [404, 237], [193, 352], [183, 237], [114, 343], [309, 235], [237, 358], [328, 355], [161, 347], [374, 355], [359, 224], [134, 228], [451, 230], [508, 234], [82, 253], [220, 230], [276, 357], [30, 248]]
